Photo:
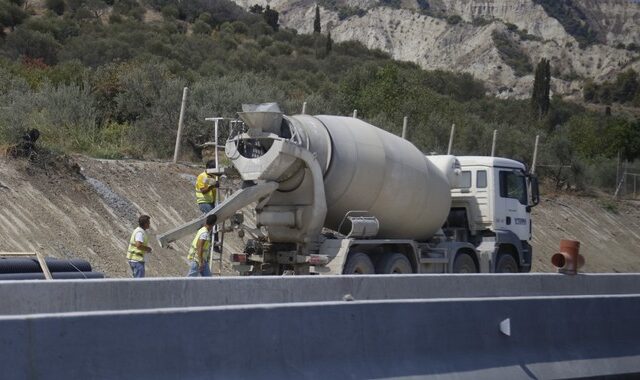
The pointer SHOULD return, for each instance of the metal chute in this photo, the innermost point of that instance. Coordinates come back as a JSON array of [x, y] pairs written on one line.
[[223, 211]]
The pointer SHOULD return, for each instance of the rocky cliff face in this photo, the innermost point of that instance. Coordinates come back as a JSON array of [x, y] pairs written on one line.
[[428, 33], [617, 21]]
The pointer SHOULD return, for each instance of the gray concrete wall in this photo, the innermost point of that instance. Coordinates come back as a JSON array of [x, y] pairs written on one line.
[[29, 297], [551, 337]]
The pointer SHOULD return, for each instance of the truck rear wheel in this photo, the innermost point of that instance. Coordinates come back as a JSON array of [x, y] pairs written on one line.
[[464, 263], [358, 263], [394, 263]]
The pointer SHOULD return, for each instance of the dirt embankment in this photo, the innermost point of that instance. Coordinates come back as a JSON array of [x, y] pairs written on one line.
[[87, 208], [609, 232]]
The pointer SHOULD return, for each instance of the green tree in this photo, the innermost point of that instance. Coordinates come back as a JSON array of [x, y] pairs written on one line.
[[11, 14], [541, 88], [626, 87], [32, 44], [169, 12], [57, 6], [329, 43], [257, 9], [201, 27], [271, 17], [316, 21]]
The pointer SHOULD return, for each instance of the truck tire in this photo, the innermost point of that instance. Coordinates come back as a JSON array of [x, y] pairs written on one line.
[[464, 263], [506, 264], [393, 263], [358, 263]]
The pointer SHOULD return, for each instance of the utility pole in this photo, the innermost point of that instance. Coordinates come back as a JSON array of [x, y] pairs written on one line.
[[453, 130], [618, 170], [493, 144], [622, 178], [535, 155], [404, 127], [216, 229], [176, 151]]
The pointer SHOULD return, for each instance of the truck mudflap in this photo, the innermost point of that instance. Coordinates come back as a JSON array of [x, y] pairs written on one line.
[[223, 211]]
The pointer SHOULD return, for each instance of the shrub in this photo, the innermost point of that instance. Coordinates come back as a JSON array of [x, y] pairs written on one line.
[[511, 54], [57, 6], [454, 20], [201, 27], [33, 44], [480, 21], [11, 14], [169, 12]]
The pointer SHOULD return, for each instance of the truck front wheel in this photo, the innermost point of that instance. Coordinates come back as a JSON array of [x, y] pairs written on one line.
[[358, 263], [394, 263], [464, 263], [506, 264]]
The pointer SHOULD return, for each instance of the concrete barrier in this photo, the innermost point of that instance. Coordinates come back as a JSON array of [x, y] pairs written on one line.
[[549, 337], [29, 297]]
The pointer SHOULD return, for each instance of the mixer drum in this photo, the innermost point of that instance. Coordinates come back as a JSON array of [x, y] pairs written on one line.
[[369, 169]]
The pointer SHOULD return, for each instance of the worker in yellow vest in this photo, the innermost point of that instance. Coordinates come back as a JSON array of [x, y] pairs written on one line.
[[206, 185], [139, 246], [199, 252], [206, 191]]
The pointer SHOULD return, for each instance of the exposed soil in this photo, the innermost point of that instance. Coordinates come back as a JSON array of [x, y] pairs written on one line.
[[86, 208], [609, 232]]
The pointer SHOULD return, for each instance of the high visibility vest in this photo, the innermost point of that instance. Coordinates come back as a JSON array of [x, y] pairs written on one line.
[[209, 196], [193, 251], [133, 253]]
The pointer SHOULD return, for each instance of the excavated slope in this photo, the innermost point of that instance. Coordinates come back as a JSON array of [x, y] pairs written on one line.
[[86, 208]]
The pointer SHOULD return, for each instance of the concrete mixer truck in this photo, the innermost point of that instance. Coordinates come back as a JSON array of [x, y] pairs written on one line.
[[336, 195]]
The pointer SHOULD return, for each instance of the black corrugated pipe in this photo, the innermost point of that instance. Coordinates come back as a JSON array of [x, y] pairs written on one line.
[[55, 275], [13, 265]]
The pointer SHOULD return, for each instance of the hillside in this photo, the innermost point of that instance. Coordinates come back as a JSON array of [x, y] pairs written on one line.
[[83, 207], [584, 40], [104, 78]]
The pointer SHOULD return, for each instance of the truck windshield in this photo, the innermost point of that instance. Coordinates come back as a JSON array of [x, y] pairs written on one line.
[[513, 185]]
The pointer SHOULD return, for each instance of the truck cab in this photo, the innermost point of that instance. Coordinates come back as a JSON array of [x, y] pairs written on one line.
[[492, 205]]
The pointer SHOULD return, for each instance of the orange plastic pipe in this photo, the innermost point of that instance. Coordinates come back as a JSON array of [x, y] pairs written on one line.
[[568, 260]]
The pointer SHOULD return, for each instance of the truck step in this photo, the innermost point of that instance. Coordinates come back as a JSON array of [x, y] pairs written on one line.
[[434, 260]]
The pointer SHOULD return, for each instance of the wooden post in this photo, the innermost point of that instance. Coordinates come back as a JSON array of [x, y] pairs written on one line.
[[355, 114], [618, 170], [535, 155], [176, 152], [453, 130], [493, 144], [404, 127], [43, 265]]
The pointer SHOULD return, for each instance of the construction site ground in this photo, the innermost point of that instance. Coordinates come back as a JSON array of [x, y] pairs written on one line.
[[80, 207]]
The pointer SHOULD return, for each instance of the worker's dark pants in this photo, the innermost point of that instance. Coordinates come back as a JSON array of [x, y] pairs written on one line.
[[205, 208]]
